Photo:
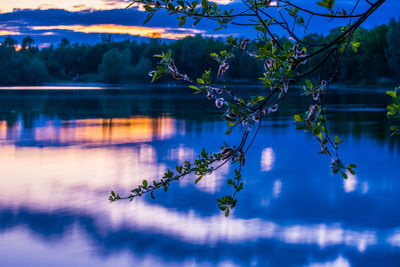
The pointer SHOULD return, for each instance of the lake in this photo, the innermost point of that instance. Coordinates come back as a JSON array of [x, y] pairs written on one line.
[[63, 149]]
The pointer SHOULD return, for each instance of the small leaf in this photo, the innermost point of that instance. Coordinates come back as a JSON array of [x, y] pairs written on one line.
[[198, 179], [182, 22], [351, 166], [148, 8], [130, 4], [391, 93], [309, 84], [179, 169], [148, 17], [336, 139], [297, 118], [200, 81], [227, 213], [194, 87]]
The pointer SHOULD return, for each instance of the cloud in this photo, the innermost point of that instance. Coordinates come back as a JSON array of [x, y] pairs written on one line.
[[71, 5], [142, 31], [6, 32], [49, 26], [74, 5]]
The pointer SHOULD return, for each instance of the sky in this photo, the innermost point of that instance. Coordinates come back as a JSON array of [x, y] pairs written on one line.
[[84, 21]]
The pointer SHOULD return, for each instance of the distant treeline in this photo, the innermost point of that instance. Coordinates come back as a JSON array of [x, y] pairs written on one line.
[[377, 60]]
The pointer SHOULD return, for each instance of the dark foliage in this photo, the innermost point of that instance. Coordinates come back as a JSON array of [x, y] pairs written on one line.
[[377, 60]]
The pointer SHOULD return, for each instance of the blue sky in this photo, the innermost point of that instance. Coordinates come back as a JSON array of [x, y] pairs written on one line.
[[83, 21]]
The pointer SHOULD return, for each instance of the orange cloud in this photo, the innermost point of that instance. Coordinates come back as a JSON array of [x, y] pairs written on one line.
[[71, 5], [152, 32], [6, 32]]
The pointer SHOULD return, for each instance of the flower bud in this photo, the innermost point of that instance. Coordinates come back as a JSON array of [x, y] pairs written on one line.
[[312, 114], [269, 63], [273, 108], [256, 117], [172, 66], [244, 43], [315, 95], [286, 88], [226, 150], [219, 102], [231, 115], [222, 69], [177, 76]]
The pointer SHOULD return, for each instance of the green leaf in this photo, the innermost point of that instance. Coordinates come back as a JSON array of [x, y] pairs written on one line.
[[167, 56], [327, 3], [148, 8], [297, 118], [336, 139], [391, 93], [309, 84], [179, 168], [198, 179], [182, 22], [227, 213], [194, 87], [355, 45], [148, 17], [395, 128], [344, 175], [200, 81], [214, 55], [351, 166], [204, 153], [130, 4]]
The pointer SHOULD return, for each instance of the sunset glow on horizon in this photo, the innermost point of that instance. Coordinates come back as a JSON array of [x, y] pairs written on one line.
[[142, 31]]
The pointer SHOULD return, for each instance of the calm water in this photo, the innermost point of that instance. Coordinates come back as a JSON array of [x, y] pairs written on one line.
[[62, 151]]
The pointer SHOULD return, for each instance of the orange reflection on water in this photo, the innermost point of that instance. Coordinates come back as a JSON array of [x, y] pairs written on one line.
[[3, 129], [46, 176], [107, 131]]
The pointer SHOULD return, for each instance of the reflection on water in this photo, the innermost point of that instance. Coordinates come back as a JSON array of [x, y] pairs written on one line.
[[267, 159], [96, 131], [62, 151]]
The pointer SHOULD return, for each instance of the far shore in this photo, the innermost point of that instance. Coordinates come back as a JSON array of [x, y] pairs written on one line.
[[141, 86]]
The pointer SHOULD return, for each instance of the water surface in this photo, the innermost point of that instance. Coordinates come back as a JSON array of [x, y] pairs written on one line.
[[63, 149]]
